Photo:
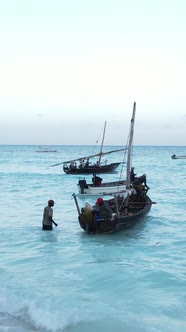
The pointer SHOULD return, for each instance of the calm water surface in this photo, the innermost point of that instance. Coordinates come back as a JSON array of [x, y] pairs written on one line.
[[67, 281]]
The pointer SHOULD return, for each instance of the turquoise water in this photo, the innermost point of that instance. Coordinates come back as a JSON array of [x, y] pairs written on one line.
[[67, 281]]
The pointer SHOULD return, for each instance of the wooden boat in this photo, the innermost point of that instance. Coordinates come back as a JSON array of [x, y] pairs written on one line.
[[90, 169], [128, 208], [45, 149], [178, 157], [87, 167], [99, 188], [91, 189]]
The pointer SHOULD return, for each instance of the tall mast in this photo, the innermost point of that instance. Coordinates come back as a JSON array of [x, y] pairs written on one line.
[[101, 149], [131, 134]]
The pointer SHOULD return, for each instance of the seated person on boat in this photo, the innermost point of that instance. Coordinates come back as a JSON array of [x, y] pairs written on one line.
[[82, 163], [73, 164], [132, 175], [65, 166], [102, 210], [87, 163], [97, 164], [96, 180]]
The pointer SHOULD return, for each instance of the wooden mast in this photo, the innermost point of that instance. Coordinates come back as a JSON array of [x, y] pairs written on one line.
[[130, 147], [101, 149]]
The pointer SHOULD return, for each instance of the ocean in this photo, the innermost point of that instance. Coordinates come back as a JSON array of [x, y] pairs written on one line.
[[68, 281]]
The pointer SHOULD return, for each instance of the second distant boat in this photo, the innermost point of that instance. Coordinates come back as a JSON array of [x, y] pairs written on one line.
[[87, 167]]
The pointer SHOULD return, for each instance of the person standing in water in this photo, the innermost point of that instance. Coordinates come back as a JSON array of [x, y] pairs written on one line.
[[48, 216]]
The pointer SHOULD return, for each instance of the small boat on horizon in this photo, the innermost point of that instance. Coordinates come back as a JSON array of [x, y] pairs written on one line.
[[178, 157], [46, 149]]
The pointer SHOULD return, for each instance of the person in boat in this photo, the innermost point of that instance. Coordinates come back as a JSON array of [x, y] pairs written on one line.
[[73, 165], [65, 166], [97, 164], [82, 163], [132, 174], [87, 163], [140, 184], [48, 216], [103, 210], [96, 180]]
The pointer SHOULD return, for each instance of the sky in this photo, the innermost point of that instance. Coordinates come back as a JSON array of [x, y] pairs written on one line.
[[66, 67]]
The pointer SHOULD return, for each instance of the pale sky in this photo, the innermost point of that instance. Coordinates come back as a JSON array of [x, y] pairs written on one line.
[[66, 66]]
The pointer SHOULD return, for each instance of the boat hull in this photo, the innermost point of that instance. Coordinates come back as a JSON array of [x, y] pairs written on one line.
[[92, 169], [105, 188], [178, 157], [117, 224]]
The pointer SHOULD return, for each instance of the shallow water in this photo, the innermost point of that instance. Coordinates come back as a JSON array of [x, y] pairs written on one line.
[[67, 281]]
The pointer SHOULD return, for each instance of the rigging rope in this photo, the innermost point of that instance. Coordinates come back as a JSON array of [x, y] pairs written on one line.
[[95, 146]]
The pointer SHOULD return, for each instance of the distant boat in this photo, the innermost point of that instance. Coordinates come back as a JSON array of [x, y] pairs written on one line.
[[87, 167], [45, 149], [178, 157], [128, 208]]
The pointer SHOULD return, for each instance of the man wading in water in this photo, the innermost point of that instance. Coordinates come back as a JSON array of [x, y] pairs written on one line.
[[48, 215]]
